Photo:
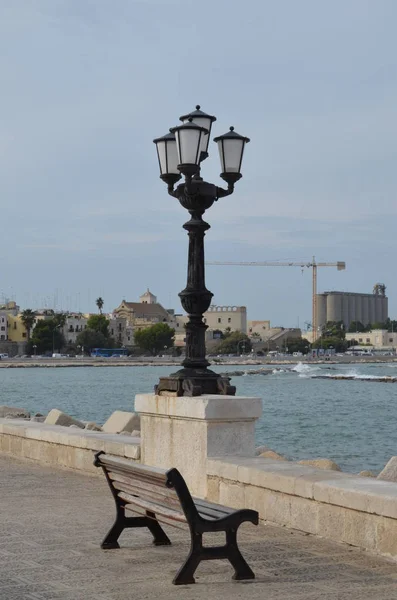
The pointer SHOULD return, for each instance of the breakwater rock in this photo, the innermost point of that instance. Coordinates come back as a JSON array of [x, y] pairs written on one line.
[[374, 378], [247, 372]]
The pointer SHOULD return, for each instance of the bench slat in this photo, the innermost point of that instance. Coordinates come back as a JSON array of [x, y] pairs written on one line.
[[138, 470], [157, 509], [208, 512], [151, 497], [137, 510], [144, 485]]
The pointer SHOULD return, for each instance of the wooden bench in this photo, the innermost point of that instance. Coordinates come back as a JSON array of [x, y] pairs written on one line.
[[163, 496]]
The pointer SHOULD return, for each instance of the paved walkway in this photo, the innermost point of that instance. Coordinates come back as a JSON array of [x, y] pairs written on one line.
[[51, 523]]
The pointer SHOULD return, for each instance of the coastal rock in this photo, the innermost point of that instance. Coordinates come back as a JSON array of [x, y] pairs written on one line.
[[389, 473], [260, 449], [11, 412], [125, 433], [122, 421], [367, 474], [91, 426], [321, 463], [57, 417], [273, 455], [38, 418], [136, 433]]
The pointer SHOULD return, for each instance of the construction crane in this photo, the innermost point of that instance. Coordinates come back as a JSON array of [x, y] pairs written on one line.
[[341, 266]]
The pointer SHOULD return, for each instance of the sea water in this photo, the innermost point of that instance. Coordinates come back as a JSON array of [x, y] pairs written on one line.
[[305, 415]]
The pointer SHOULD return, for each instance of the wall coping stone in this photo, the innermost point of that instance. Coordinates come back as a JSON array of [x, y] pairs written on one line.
[[331, 487], [204, 408], [121, 445]]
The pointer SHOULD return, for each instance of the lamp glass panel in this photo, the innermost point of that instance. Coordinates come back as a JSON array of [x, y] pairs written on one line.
[[206, 123], [231, 153], [188, 141], [161, 149], [172, 157]]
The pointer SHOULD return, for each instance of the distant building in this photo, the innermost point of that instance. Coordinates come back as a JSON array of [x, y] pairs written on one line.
[[258, 329], [378, 338], [349, 307], [16, 329], [144, 313], [3, 326], [75, 324], [225, 318]]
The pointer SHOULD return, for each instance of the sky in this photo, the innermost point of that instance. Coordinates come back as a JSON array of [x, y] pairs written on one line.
[[86, 85]]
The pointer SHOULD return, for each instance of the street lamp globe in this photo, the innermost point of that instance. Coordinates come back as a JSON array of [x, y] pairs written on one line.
[[189, 136], [201, 118], [231, 149], [168, 158]]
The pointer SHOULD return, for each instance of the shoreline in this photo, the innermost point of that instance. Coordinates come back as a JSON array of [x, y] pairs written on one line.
[[30, 363]]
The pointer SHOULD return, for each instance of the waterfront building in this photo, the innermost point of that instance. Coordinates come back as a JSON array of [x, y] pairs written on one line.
[[11, 307], [144, 313], [16, 330], [226, 318], [350, 306], [3, 326], [380, 339], [258, 330], [75, 324]]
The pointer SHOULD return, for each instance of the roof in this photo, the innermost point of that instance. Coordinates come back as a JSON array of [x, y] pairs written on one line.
[[146, 310]]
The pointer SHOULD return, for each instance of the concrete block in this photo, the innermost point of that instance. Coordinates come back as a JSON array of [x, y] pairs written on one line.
[[232, 494], [13, 412], [386, 537], [304, 515], [321, 463], [57, 417], [389, 473], [121, 421], [132, 451], [359, 529], [91, 426], [213, 484], [330, 522]]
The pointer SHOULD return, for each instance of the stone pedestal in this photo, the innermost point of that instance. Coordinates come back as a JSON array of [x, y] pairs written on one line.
[[182, 432]]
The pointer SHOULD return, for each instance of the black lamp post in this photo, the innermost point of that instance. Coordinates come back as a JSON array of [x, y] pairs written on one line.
[[180, 152]]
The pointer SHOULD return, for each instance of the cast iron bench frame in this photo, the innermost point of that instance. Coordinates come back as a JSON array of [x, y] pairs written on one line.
[[161, 495]]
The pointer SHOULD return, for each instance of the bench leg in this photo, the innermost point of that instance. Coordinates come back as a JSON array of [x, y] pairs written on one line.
[[114, 533], [158, 533], [185, 574], [241, 568]]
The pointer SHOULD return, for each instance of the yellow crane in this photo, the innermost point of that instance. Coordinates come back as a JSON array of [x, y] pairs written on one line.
[[341, 266]]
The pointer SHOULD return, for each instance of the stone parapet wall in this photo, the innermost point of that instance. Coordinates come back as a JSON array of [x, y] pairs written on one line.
[[62, 446], [341, 507]]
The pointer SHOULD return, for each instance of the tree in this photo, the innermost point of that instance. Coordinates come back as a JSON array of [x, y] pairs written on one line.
[[99, 323], [28, 318], [89, 339], [153, 339], [356, 327], [299, 345], [235, 343], [99, 302], [47, 336]]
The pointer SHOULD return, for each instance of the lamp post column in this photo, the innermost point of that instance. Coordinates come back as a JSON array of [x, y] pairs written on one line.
[[195, 298]]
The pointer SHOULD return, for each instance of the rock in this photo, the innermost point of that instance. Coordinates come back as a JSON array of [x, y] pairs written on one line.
[[38, 415], [260, 449], [91, 426], [122, 421], [367, 474], [74, 427], [389, 473], [136, 433], [11, 412], [57, 417], [125, 433], [37, 419], [273, 455], [321, 463]]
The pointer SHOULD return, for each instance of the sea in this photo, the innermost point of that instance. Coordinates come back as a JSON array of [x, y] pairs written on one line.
[[307, 413]]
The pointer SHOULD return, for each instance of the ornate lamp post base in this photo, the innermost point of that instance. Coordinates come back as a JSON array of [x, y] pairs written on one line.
[[194, 382]]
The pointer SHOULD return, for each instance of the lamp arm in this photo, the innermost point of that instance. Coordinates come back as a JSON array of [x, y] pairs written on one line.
[[172, 192], [221, 192]]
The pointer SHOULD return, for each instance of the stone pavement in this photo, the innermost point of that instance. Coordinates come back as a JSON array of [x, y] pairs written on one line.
[[52, 521]]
